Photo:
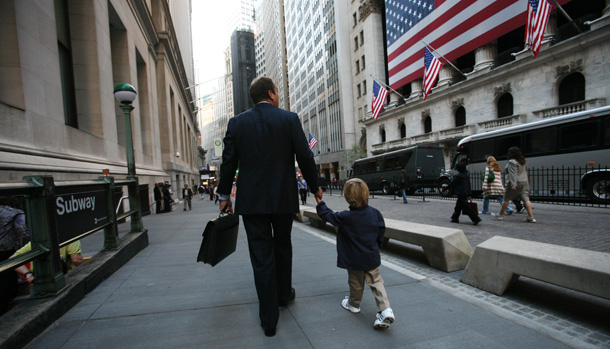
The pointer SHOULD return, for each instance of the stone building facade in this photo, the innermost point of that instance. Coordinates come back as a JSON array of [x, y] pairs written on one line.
[[59, 64], [501, 88]]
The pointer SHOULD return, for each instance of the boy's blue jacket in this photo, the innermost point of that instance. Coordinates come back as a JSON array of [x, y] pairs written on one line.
[[359, 237]]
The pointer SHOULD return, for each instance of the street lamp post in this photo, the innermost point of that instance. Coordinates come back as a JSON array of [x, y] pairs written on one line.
[[126, 94]]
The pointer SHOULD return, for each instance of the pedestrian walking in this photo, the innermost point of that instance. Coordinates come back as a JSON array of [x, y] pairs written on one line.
[[461, 188], [158, 197], [492, 185], [302, 185], [404, 185], [167, 198], [359, 238], [187, 195], [517, 183], [212, 193], [201, 191], [13, 234], [270, 138]]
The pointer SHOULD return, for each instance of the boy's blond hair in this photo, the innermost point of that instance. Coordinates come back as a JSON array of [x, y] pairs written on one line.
[[356, 192]]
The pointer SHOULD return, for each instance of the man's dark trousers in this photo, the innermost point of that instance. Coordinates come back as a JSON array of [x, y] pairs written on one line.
[[461, 205], [271, 257]]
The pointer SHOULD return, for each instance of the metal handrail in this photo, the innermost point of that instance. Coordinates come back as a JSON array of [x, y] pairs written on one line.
[[120, 202], [20, 260]]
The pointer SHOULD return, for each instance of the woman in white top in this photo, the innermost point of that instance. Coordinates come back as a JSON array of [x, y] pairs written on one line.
[[517, 185]]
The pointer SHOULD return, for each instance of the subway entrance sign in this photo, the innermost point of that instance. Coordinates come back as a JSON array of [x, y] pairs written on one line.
[[79, 210]]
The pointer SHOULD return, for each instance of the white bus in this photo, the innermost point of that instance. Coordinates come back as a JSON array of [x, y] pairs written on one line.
[[572, 151]]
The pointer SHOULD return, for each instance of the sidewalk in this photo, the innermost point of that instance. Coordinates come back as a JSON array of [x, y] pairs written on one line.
[[163, 298]]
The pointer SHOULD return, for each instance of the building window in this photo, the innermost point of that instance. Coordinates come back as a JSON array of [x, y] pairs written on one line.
[[357, 67], [361, 37], [355, 18], [572, 89], [364, 87], [363, 63], [66, 68], [460, 116], [355, 43], [403, 130], [359, 91], [427, 124], [505, 105], [382, 135]]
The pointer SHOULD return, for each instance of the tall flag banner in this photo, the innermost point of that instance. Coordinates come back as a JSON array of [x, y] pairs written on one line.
[[312, 141], [432, 66], [452, 27], [538, 13], [379, 96]]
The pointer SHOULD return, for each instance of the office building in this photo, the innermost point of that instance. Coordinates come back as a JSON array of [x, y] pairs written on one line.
[[59, 63]]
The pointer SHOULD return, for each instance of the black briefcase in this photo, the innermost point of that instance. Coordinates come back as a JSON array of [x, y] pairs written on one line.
[[219, 239]]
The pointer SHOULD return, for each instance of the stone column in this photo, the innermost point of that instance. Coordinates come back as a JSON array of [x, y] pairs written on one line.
[[551, 27], [445, 75], [484, 55], [416, 87]]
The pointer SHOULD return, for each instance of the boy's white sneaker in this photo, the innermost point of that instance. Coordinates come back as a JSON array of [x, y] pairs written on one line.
[[384, 319], [345, 304]]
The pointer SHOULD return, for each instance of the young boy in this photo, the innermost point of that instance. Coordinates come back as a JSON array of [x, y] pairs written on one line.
[[360, 235], [461, 188]]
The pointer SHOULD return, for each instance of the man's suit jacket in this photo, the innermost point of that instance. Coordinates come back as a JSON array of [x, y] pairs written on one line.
[[263, 142]]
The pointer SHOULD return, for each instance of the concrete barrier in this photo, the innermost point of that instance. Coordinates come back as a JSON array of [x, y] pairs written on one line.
[[498, 262], [446, 249], [301, 216]]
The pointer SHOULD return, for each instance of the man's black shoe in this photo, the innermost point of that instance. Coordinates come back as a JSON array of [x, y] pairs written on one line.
[[269, 332], [285, 302]]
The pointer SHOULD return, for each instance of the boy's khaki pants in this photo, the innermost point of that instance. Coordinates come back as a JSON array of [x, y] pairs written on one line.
[[356, 279]]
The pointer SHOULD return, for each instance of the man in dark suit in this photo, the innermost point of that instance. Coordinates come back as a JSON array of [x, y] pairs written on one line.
[[263, 143]]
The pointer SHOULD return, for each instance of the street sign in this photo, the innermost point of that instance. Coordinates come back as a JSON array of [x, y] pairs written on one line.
[[217, 147], [79, 210]]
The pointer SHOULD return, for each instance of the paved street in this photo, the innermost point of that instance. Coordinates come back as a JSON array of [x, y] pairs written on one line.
[[162, 298], [580, 227]]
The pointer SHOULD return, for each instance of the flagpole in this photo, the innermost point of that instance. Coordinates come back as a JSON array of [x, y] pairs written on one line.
[[567, 16], [371, 75], [446, 60]]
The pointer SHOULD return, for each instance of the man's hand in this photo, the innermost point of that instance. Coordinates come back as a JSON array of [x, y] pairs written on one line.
[[226, 206], [319, 195]]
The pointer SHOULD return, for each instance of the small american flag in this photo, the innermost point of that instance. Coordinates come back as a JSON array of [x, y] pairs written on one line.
[[432, 66], [538, 12], [379, 97], [312, 141]]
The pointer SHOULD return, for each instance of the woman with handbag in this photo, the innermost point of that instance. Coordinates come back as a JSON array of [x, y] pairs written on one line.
[[492, 185], [517, 184]]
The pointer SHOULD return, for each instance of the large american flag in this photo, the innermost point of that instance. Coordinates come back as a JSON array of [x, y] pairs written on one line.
[[432, 66], [452, 27], [538, 12], [312, 141], [379, 96]]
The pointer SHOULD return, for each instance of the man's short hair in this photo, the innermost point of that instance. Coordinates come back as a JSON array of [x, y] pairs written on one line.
[[461, 167], [356, 192], [260, 87]]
